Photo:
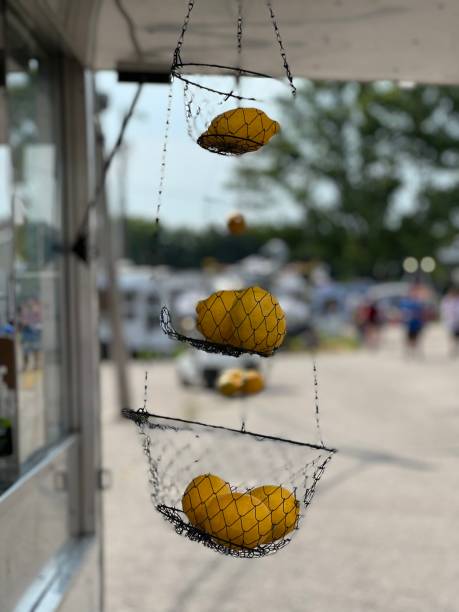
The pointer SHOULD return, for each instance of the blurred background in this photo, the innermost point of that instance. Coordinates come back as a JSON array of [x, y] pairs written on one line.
[[349, 216], [352, 213], [352, 217]]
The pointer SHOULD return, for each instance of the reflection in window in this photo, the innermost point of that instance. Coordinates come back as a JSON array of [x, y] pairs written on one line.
[[8, 459], [32, 103]]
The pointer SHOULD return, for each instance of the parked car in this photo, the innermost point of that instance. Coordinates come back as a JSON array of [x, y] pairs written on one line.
[[197, 368], [143, 291]]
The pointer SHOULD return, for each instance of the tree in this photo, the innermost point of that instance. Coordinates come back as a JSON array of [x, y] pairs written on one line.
[[187, 248], [373, 168]]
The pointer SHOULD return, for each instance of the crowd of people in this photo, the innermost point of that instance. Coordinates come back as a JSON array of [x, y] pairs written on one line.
[[414, 315]]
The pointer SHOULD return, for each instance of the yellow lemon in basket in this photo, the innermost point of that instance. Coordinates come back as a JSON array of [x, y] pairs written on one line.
[[258, 319], [199, 493], [238, 519], [238, 131], [284, 507], [236, 224], [213, 316], [251, 123], [230, 382], [252, 382]]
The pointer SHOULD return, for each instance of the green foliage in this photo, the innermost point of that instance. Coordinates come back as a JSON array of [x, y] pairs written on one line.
[[184, 248], [345, 155]]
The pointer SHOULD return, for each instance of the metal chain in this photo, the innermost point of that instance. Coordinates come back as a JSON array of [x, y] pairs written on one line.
[[239, 48], [188, 102], [281, 46], [146, 444], [152, 464], [177, 60], [191, 116], [162, 175], [316, 400], [318, 473], [145, 394], [239, 33]]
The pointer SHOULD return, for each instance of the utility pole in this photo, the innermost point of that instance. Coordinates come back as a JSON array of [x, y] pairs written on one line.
[[117, 347]]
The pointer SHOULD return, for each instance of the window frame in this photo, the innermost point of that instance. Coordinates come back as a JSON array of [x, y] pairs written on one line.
[[18, 30]]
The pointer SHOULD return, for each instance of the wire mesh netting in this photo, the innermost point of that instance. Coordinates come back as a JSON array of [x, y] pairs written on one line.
[[234, 322], [236, 492]]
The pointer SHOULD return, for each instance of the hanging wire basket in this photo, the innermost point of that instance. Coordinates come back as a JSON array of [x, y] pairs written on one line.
[[256, 504], [247, 321], [240, 129]]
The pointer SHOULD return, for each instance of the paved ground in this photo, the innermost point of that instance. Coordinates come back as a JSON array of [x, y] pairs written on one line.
[[382, 534]]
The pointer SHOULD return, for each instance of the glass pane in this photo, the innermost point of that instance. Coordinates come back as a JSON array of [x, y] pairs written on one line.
[[32, 103], [8, 462]]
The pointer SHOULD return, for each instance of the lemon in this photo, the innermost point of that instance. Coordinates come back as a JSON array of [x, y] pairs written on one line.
[[199, 493], [248, 123], [213, 318], [238, 131], [283, 505], [259, 321], [238, 519], [252, 382], [230, 382], [236, 224]]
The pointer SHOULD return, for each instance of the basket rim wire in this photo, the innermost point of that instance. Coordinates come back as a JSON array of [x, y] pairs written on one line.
[[177, 72], [165, 321], [142, 418], [178, 64]]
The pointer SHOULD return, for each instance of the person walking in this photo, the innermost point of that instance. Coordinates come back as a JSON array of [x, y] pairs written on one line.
[[414, 320], [368, 323]]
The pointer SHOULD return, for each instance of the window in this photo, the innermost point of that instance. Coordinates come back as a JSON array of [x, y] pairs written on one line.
[[38, 266], [7, 360], [48, 357]]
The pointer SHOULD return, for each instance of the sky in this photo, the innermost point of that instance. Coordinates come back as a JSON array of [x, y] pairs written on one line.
[[196, 192]]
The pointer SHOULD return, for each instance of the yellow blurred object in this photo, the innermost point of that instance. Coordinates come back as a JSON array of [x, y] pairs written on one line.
[[259, 321], [238, 519], [30, 379], [238, 131], [199, 493], [213, 316], [236, 224], [210, 263], [284, 508], [230, 382], [252, 382]]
